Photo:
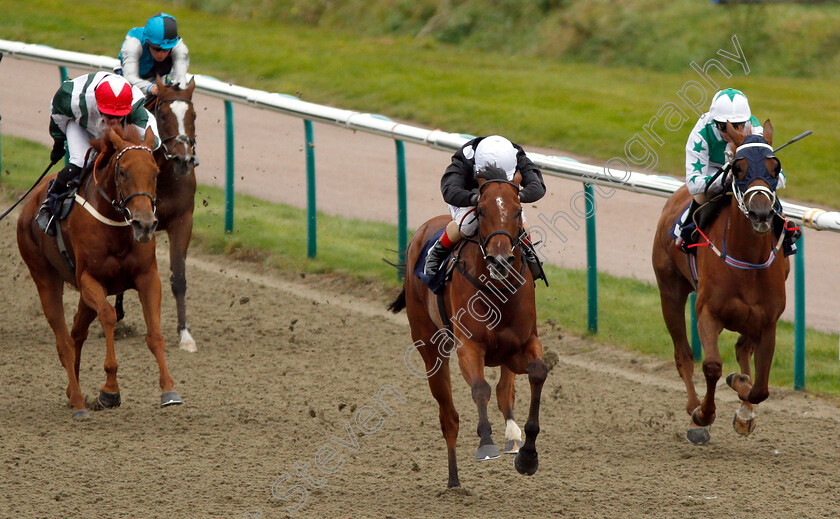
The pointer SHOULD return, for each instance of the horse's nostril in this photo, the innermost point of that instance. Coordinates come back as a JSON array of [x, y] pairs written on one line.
[[491, 260], [511, 259]]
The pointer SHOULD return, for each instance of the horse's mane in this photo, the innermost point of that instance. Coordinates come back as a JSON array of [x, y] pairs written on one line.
[[492, 173]]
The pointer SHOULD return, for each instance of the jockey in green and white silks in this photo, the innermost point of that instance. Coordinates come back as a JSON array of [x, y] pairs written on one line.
[[708, 150], [80, 111]]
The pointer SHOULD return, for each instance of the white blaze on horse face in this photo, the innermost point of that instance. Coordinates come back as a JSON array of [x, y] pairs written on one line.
[[502, 211], [179, 110]]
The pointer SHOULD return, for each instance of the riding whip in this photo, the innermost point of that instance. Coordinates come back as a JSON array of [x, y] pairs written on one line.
[[798, 137], [29, 191]]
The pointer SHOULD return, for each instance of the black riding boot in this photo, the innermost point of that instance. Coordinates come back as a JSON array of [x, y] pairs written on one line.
[[534, 264], [688, 227], [434, 257], [57, 188]]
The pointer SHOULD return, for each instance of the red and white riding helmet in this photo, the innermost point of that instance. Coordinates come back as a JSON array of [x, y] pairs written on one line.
[[114, 96]]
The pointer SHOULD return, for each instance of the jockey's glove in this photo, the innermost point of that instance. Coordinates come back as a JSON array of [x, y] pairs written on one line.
[[474, 199], [57, 151]]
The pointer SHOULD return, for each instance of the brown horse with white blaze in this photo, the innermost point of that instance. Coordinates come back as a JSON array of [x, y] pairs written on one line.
[[741, 288], [110, 245], [176, 158], [490, 299]]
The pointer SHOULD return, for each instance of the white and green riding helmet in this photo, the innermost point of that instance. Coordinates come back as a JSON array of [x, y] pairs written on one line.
[[730, 105]]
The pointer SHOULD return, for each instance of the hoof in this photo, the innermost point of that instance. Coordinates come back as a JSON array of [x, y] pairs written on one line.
[[526, 464], [187, 342], [698, 436], [81, 414], [743, 427], [453, 484], [512, 446], [109, 400], [170, 398], [487, 452], [729, 378], [696, 420]]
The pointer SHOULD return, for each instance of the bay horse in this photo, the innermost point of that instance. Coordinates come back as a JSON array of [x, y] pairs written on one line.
[[173, 109], [494, 323], [110, 248], [741, 288]]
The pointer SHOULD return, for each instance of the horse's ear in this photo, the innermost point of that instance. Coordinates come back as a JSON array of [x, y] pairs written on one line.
[[113, 136], [768, 132], [191, 85], [149, 140], [517, 178], [737, 135], [160, 84]]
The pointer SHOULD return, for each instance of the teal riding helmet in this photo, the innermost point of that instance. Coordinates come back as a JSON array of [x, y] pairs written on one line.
[[161, 31]]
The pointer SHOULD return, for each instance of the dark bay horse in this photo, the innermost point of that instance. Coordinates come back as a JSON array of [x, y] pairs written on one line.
[[490, 300], [740, 288], [173, 109], [109, 237]]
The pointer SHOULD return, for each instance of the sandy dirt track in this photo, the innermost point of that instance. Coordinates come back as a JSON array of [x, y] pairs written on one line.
[[285, 363], [270, 164]]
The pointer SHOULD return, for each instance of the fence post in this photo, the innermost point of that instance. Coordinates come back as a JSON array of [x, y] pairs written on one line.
[[311, 215], [799, 319], [229, 169], [696, 347], [402, 212], [591, 259]]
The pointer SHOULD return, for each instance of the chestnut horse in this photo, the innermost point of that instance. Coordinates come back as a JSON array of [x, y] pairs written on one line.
[[173, 109], [490, 299], [109, 237], [741, 288]]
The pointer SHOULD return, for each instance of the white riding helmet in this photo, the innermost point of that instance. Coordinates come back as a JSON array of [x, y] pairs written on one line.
[[496, 151], [730, 105]]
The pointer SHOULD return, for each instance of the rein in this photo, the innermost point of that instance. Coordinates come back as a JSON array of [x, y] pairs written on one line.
[[117, 205]]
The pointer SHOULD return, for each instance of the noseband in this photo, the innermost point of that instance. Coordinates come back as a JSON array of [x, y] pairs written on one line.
[[119, 204]]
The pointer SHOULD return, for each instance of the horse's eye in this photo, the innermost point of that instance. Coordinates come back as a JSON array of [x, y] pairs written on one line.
[[775, 166]]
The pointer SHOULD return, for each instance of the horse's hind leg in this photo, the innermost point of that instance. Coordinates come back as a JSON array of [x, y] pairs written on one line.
[[179, 242], [744, 419], [471, 361], [81, 324], [506, 396], [93, 295], [148, 288], [118, 306], [51, 291]]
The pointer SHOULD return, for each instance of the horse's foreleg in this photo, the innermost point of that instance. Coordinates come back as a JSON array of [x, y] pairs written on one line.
[[179, 242], [471, 361], [763, 359], [527, 461], [709, 329], [744, 419], [505, 397], [93, 295], [149, 290]]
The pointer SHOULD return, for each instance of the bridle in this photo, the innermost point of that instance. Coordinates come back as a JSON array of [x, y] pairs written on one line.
[[744, 198], [482, 242], [119, 204], [174, 140]]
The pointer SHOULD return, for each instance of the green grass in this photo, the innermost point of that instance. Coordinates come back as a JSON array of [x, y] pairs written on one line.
[[590, 106], [629, 312]]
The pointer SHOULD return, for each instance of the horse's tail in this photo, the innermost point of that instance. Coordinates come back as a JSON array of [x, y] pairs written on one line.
[[398, 303]]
